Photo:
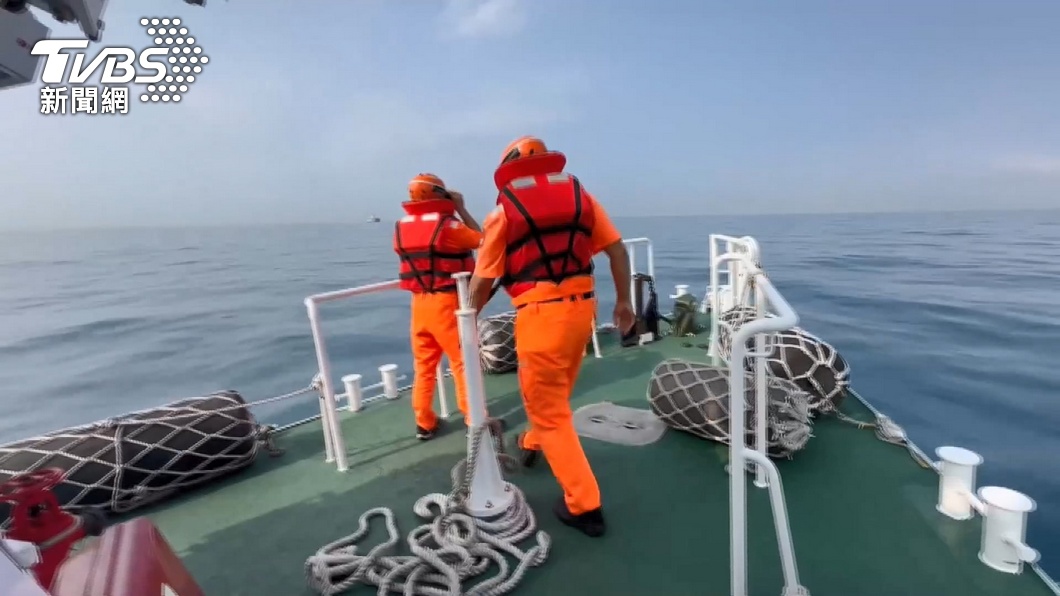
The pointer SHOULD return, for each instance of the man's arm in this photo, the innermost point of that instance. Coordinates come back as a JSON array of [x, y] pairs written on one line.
[[607, 239], [618, 255], [489, 265], [469, 221], [478, 293]]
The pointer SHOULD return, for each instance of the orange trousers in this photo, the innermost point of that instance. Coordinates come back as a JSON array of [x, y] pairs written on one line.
[[550, 340], [434, 332]]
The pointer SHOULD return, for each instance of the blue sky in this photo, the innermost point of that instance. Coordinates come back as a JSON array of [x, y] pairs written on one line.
[[321, 111]]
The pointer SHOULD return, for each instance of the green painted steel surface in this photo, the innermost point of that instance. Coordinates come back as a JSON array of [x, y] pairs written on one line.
[[862, 511]]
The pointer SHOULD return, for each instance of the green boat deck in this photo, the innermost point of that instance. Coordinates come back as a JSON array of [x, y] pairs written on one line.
[[862, 511]]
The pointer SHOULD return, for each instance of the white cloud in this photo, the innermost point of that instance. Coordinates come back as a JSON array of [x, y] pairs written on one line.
[[483, 18], [1030, 164]]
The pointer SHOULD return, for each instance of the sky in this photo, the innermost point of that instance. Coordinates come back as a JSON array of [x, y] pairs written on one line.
[[314, 112]]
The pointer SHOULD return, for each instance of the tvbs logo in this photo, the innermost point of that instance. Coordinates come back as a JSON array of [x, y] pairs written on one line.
[[119, 64], [167, 68]]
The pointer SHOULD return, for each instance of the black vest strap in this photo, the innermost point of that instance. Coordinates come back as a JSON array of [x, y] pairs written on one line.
[[537, 235]]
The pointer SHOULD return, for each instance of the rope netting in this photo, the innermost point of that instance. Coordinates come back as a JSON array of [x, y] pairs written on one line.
[[497, 342], [817, 368], [694, 397], [795, 355], [451, 548], [124, 463]]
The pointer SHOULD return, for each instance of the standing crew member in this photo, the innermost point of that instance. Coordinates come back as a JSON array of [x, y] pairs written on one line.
[[539, 242], [432, 245]]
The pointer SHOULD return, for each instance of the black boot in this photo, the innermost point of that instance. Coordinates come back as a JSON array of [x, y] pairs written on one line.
[[527, 457], [425, 434], [590, 523]]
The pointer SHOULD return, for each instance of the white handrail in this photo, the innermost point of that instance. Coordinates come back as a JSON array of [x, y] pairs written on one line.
[[632, 244], [744, 253], [334, 443], [735, 279]]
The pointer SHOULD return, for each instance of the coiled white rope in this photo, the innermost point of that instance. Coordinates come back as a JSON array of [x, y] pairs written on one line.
[[451, 548]]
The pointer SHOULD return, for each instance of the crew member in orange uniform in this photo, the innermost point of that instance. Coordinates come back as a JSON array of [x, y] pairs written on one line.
[[432, 244], [539, 242]]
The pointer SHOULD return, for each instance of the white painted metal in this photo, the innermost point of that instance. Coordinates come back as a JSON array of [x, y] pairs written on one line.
[[957, 481], [1004, 545], [785, 318]]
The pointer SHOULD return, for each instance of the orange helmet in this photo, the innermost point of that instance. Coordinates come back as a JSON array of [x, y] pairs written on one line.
[[523, 147], [425, 187]]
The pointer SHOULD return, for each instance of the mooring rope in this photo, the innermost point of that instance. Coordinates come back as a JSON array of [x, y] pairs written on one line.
[[451, 548]]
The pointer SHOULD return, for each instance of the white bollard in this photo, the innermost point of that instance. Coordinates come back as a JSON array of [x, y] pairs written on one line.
[[390, 386], [1005, 529], [957, 481], [354, 395], [489, 495]]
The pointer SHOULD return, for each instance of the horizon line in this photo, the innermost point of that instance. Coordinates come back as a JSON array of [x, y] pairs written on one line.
[[163, 226]]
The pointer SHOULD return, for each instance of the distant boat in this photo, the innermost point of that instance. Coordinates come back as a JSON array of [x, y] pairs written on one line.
[[373, 219]]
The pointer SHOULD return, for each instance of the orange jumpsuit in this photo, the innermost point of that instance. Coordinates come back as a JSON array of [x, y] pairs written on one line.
[[550, 340], [433, 327]]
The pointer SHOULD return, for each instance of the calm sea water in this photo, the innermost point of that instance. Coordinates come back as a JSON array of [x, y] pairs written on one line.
[[950, 321]]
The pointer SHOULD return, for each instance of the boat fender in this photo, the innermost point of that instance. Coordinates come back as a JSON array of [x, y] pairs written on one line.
[[139, 458], [497, 343], [694, 397], [798, 356]]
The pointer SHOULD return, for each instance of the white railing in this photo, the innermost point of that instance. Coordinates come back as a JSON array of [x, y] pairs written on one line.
[[739, 260], [721, 297], [334, 443]]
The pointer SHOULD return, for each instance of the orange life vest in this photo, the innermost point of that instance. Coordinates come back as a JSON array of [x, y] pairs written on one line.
[[419, 238], [549, 230]]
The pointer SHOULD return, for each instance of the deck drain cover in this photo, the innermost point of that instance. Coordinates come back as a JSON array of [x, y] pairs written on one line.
[[606, 421]]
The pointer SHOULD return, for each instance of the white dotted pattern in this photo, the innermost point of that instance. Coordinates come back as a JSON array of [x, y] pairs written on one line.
[[185, 59]]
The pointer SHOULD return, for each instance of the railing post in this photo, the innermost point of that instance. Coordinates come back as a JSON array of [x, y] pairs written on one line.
[[443, 403], [712, 295], [737, 468], [489, 494], [331, 425], [739, 453], [596, 341], [463, 287], [632, 252]]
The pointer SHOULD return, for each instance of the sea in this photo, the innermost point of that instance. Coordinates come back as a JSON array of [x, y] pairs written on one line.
[[949, 321]]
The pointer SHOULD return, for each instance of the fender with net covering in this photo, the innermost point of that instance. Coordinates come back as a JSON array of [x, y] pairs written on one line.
[[798, 356], [121, 464], [497, 342], [694, 397]]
